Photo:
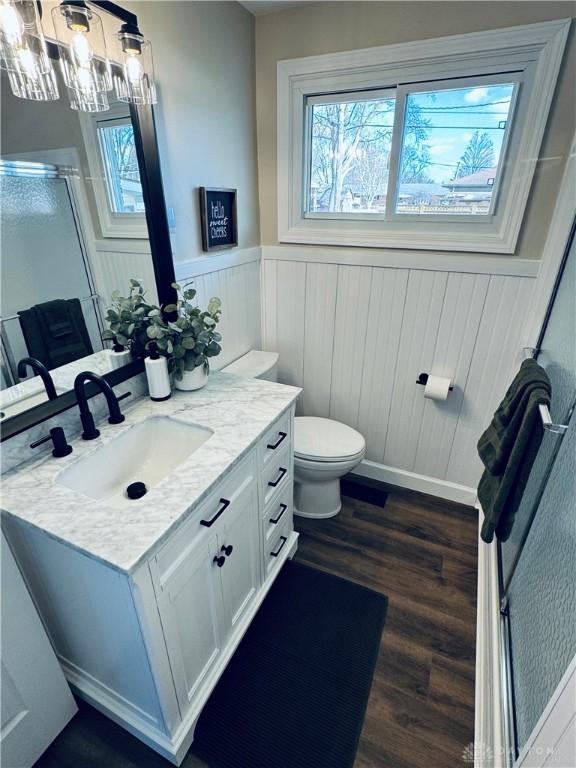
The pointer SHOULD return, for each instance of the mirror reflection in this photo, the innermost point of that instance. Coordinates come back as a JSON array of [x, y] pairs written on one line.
[[73, 230]]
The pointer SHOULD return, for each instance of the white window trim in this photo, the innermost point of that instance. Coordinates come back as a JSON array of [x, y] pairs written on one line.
[[113, 225], [534, 50]]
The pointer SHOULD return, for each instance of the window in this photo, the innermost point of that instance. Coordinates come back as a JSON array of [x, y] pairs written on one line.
[[121, 166], [400, 146], [350, 145], [452, 147], [111, 151]]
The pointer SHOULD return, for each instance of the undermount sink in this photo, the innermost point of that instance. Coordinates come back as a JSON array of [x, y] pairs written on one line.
[[145, 453]]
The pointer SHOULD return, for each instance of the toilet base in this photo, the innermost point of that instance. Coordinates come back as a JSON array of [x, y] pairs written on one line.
[[319, 498]]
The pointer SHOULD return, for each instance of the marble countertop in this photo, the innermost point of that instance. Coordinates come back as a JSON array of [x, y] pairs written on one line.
[[237, 409]]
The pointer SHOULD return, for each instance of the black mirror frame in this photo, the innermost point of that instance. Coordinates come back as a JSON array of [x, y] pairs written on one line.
[[158, 235]]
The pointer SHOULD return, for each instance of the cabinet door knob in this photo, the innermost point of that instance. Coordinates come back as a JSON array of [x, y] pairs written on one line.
[[225, 503], [227, 550], [219, 560], [283, 508], [281, 474], [281, 437]]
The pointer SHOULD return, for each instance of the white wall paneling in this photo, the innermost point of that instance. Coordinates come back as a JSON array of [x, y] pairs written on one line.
[[356, 336], [237, 284], [319, 321], [496, 356], [114, 262]]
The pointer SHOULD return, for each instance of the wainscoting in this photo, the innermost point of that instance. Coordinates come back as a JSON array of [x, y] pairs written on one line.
[[115, 261], [235, 278], [356, 336]]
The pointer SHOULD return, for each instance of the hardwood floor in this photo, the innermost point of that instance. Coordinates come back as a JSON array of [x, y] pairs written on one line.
[[421, 552]]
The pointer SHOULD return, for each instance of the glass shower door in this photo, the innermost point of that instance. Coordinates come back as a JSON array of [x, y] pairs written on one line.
[[538, 562]]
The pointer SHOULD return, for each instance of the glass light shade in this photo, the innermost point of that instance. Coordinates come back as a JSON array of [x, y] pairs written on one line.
[[135, 84], [22, 45], [82, 46], [94, 101], [40, 87]]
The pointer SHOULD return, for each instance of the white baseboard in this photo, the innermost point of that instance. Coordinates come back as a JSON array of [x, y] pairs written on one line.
[[415, 482]]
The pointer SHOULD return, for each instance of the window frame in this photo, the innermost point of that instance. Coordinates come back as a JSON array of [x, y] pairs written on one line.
[[112, 224], [530, 54]]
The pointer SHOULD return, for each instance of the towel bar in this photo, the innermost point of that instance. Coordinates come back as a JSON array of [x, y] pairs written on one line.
[[547, 423]]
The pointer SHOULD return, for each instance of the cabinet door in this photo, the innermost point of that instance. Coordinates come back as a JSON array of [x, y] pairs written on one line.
[[190, 604], [240, 572]]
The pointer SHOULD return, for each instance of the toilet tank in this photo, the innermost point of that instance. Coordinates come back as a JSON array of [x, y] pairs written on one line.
[[255, 364]]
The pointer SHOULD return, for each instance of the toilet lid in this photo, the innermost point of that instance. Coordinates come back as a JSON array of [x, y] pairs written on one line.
[[325, 440]]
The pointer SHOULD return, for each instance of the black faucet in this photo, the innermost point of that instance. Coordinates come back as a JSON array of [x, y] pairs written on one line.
[[90, 432], [41, 370]]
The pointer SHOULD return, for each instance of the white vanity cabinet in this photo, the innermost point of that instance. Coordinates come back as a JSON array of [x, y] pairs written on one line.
[[210, 569], [147, 646]]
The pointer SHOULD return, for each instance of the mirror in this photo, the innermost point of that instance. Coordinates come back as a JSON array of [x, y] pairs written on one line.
[[73, 230]]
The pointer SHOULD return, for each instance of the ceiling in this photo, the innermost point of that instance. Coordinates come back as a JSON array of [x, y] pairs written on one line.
[[261, 7]]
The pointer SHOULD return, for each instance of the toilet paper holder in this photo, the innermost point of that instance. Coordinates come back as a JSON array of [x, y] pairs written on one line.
[[423, 379]]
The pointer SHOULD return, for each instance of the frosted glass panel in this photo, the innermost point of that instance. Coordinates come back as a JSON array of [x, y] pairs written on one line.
[[542, 596], [41, 253], [558, 357], [542, 590]]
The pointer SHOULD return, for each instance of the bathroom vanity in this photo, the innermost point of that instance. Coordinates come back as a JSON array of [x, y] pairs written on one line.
[[145, 600]]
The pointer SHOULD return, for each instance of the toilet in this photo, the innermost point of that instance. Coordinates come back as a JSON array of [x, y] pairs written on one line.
[[324, 449]]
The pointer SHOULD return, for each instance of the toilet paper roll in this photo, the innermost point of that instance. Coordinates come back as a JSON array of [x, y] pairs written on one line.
[[437, 388]]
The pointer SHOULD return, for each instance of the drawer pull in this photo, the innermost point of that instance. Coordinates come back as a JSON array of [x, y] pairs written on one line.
[[283, 539], [225, 503], [282, 437], [283, 508], [281, 474], [227, 550], [219, 560]]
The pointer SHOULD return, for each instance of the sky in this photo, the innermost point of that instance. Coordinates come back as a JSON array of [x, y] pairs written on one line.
[[455, 115]]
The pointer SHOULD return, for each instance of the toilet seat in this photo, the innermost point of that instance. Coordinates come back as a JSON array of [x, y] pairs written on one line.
[[325, 441]]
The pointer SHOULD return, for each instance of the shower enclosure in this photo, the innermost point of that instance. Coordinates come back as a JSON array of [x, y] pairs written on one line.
[[43, 253], [538, 562]]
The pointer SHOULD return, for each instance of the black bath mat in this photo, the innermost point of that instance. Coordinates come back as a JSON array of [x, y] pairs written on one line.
[[295, 693]]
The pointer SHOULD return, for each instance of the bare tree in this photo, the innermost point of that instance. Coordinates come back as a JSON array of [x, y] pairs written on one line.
[[478, 155]]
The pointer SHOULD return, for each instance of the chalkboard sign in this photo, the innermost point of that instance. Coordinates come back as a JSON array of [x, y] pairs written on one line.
[[218, 218]]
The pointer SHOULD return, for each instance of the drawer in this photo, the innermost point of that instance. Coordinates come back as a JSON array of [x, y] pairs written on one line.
[[276, 475], [276, 546], [278, 512], [210, 515], [276, 439]]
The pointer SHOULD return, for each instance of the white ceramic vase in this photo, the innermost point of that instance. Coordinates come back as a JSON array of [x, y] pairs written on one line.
[[195, 379]]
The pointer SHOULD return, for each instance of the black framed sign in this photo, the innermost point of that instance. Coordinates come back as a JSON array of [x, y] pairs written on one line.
[[218, 218]]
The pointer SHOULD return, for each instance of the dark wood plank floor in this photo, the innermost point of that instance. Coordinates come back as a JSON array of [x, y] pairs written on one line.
[[422, 553]]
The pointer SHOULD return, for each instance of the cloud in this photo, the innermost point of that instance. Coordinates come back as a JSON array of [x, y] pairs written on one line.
[[476, 95]]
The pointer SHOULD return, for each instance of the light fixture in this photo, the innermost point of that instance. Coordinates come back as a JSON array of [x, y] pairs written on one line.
[[23, 51], [135, 83], [88, 101], [82, 51], [82, 47]]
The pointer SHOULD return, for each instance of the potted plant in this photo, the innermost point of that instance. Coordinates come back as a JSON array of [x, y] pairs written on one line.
[[129, 317], [188, 341]]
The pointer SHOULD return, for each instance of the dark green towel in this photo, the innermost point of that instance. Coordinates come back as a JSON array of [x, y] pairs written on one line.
[[55, 332], [508, 449], [495, 445]]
